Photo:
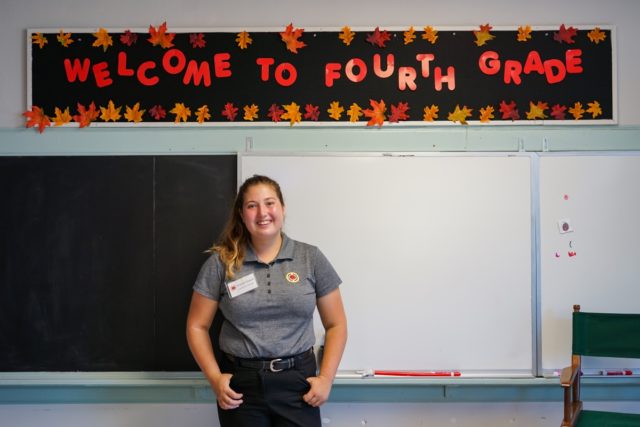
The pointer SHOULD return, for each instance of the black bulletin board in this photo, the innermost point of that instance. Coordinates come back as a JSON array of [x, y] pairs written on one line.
[[98, 256]]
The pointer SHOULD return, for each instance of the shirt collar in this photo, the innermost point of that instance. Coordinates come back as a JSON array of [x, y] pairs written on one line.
[[286, 251]]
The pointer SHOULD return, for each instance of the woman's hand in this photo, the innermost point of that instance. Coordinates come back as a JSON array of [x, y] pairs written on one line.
[[319, 392], [227, 398]]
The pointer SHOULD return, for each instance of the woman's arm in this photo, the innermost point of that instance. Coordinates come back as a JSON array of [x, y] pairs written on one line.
[[334, 320], [201, 314]]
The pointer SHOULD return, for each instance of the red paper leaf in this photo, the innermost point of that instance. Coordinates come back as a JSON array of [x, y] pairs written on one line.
[[275, 113], [312, 112], [558, 112], [197, 40], [160, 37], [229, 111], [399, 112], [565, 35], [379, 38], [290, 37], [128, 38], [509, 111], [158, 112]]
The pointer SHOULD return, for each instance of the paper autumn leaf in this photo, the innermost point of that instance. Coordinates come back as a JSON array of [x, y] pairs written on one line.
[[486, 114], [62, 117], [292, 113], [128, 38], [290, 38], [460, 115], [558, 112], [36, 117], [110, 113], [84, 116], [158, 112], [346, 35], [565, 35], [160, 37], [409, 35], [399, 112], [375, 113], [275, 113], [509, 111], [230, 111], [354, 113], [197, 40], [430, 113], [577, 111], [524, 33], [64, 38], [335, 110], [483, 35], [379, 38], [202, 114], [430, 35], [594, 109], [243, 40], [134, 114], [311, 112], [536, 111], [103, 39], [250, 112], [181, 111], [596, 35], [39, 39]]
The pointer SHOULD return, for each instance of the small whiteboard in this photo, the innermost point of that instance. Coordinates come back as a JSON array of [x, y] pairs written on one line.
[[435, 253], [589, 246]]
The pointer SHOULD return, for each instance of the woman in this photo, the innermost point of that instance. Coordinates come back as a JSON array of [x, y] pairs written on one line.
[[267, 286]]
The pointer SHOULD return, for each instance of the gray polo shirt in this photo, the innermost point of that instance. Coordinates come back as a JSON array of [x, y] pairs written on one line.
[[276, 318]]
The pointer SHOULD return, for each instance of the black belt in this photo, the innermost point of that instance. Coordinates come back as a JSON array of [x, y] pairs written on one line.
[[273, 365]]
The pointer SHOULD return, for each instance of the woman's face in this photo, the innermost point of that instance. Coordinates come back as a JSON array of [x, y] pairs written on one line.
[[262, 212]]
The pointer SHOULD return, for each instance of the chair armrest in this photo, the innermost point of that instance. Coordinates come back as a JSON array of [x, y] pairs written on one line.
[[568, 375]]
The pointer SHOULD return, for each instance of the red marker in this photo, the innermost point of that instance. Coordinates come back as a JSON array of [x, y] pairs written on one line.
[[621, 372], [418, 373]]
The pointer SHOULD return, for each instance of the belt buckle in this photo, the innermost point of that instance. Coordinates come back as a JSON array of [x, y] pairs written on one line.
[[272, 368]]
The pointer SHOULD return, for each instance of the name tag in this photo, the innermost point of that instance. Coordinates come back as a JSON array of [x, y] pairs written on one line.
[[242, 285]]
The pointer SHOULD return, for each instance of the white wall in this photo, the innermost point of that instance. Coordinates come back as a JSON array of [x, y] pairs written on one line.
[[18, 15]]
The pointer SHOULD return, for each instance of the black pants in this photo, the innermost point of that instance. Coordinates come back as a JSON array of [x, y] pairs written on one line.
[[271, 399]]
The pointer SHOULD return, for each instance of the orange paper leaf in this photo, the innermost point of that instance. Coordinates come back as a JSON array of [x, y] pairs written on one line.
[[62, 117], [376, 113], [134, 114], [483, 35], [346, 35], [292, 113], [335, 110], [64, 39], [486, 114], [250, 112], [430, 35], [536, 111], [160, 37], [577, 111], [36, 117], [430, 113], [110, 113], [243, 39], [39, 39], [84, 116], [409, 35], [181, 111], [524, 33], [103, 39], [290, 37], [596, 35], [594, 109], [354, 113]]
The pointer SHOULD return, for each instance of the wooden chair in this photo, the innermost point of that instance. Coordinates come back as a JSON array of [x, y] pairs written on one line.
[[603, 335]]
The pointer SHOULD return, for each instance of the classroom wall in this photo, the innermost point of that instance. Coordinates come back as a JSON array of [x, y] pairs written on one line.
[[18, 15]]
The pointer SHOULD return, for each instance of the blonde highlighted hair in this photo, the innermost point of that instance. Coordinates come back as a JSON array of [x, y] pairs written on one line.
[[235, 237]]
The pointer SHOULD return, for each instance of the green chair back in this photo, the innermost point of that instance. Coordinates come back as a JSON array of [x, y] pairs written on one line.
[[606, 334]]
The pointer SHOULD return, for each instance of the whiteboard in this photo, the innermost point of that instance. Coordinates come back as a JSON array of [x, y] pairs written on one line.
[[598, 196], [434, 250]]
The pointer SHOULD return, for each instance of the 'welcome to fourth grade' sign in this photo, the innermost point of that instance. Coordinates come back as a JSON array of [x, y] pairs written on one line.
[[344, 76]]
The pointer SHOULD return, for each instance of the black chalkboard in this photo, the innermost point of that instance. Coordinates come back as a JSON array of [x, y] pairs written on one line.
[[98, 256]]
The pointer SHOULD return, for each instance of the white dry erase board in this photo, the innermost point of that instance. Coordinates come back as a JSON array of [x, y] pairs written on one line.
[[593, 260], [435, 253]]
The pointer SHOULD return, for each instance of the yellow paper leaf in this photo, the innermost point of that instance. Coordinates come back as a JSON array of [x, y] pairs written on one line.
[[251, 112], [62, 117], [594, 109], [181, 112], [292, 113], [346, 35], [430, 113], [409, 35], [524, 33], [577, 111], [134, 114], [536, 111], [335, 110], [39, 39], [354, 113], [110, 113], [243, 40], [596, 35], [460, 115], [483, 35], [430, 35], [64, 38], [103, 39]]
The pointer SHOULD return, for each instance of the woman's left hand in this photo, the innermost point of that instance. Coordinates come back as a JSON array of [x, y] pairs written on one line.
[[319, 392]]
